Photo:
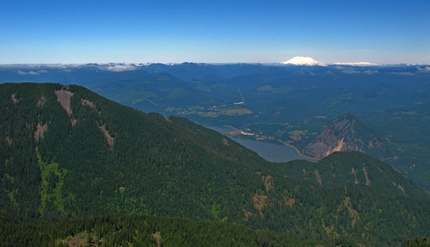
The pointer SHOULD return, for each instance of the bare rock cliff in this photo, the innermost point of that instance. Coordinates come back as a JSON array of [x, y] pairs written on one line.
[[346, 133]]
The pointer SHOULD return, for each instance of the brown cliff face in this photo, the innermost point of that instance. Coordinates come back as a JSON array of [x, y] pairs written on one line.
[[346, 133]]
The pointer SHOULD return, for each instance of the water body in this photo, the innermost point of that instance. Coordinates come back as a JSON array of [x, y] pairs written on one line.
[[269, 151]]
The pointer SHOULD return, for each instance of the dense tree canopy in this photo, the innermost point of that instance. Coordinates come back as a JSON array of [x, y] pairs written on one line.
[[70, 157]]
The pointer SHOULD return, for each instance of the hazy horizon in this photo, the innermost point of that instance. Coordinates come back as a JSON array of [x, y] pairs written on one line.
[[343, 63], [79, 32]]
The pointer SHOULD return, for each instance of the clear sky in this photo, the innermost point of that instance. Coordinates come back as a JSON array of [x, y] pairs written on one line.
[[219, 31]]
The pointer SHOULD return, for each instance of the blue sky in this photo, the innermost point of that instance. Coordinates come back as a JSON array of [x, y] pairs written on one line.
[[214, 31]]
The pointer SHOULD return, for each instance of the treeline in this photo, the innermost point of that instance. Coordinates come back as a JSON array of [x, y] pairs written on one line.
[[136, 230], [417, 242]]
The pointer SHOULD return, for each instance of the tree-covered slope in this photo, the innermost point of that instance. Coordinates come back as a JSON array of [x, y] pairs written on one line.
[[138, 230], [346, 194], [67, 152]]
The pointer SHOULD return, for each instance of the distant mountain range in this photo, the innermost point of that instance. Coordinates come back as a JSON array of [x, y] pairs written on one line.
[[282, 103], [68, 153]]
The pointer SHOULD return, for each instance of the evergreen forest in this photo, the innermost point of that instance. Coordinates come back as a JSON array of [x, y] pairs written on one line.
[[78, 168]]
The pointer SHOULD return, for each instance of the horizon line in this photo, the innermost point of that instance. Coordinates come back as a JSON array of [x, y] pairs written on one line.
[[364, 64]]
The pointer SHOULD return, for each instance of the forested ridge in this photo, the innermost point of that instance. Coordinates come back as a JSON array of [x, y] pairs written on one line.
[[138, 230], [68, 154], [292, 104]]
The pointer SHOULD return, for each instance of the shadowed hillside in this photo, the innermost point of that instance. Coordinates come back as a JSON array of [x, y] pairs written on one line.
[[67, 153]]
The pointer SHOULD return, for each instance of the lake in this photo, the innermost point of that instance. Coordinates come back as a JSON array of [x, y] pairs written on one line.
[[267, 150], [270, 151]]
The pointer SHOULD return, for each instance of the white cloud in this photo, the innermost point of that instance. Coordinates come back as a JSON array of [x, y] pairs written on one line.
[[20, 72], [370, 72], [118, 67], [347, 70], [403, 73], [425, 69], [353, 70]]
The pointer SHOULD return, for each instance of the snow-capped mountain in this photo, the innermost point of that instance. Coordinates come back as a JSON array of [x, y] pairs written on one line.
[[307, 61]]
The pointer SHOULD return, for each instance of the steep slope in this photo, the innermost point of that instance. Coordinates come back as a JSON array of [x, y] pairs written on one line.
[[67, 152], [353, 169], [353, 192], [348, 133]]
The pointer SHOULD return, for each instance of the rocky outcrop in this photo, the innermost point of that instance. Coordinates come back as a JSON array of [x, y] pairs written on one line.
[[346, 133], [63, 97]]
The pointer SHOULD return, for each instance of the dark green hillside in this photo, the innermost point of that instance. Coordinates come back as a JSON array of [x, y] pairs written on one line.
[[353, 191], [95, 156], [135, 230], [417, 242], [68, 153]]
